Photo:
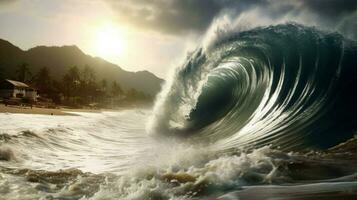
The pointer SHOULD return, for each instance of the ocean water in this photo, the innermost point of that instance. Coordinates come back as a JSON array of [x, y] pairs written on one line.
[[110, 156], [265, 113]]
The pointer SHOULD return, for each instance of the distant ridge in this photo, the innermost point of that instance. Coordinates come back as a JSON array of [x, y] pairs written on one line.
[[59, 59]]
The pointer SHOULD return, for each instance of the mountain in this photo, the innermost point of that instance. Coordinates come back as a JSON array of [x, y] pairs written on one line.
[[59, 59]]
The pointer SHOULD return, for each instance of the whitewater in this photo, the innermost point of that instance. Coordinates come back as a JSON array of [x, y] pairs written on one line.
[[264, 113]]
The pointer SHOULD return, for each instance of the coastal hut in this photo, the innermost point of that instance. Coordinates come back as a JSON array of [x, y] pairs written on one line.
[[17, 89]]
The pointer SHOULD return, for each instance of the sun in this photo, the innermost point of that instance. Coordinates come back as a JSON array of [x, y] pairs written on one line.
[[108, 42]]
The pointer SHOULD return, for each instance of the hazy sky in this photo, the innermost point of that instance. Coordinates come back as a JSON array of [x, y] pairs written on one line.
[[154, 34], [29, 23]]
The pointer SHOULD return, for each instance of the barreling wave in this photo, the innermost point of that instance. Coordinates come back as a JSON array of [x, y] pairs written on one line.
[[287, 85]]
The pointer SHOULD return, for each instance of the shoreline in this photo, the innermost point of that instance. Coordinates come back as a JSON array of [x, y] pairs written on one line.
[[43, 111]]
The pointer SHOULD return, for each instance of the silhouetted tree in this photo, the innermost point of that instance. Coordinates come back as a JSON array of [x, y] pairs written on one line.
[[43, 81], [55, 91], [104, 85], [74, 74], [23, 72], [67, 83], [116, 89], [88, 82], [2, 73], [133, 95], [88, 75], [71, 82], [104, 89]]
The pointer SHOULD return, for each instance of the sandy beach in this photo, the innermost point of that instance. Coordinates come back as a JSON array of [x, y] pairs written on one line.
[[42, 111]]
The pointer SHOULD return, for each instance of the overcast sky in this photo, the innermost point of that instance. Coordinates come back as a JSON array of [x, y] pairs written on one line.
[[156, 34]]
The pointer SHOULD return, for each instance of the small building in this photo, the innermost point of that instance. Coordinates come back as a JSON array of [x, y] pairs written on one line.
[[17, 89]]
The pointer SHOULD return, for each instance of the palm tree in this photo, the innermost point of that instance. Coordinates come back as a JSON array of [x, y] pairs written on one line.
[[23, 72]]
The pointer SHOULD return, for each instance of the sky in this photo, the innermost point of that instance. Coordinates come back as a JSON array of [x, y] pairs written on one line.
[[155, 35]]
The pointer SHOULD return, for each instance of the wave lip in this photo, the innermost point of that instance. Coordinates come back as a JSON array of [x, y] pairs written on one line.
[[287, 85]]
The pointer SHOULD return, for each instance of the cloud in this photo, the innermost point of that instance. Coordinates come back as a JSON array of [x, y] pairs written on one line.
[[331, 8], [178, 17], [174, 16]]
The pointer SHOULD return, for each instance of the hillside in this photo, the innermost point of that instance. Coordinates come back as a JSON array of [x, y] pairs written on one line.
[[59, 59]]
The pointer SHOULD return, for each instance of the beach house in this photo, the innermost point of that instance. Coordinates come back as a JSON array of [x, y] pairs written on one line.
[[17, 89]]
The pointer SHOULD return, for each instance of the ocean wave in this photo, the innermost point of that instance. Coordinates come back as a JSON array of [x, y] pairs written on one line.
[[287, 85]]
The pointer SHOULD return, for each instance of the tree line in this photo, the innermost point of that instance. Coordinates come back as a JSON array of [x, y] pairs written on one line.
[[78, 87]]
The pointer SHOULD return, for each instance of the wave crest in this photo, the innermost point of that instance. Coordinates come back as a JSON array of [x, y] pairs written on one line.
[[287, 85]]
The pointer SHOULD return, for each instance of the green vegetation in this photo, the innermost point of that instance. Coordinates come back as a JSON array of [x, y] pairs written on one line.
[[23, 72], [58, 60], [1, 73], [79, 87]]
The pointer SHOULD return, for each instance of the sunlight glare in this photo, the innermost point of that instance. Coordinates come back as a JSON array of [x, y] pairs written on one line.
[[109, 44]]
